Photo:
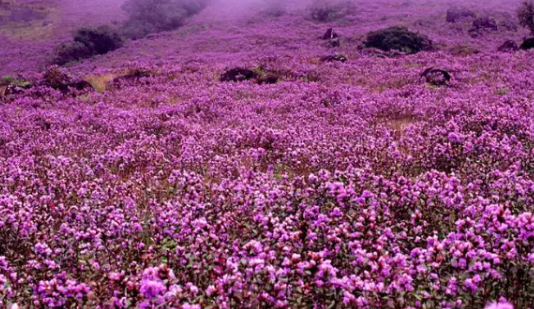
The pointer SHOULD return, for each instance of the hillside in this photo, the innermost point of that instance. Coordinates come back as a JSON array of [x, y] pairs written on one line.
[[331, 177]]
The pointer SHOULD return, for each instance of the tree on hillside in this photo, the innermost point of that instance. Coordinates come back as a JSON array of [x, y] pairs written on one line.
[[525, 13], [147, 16]]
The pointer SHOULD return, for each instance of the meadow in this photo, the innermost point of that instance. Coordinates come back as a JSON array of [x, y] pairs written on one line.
[[349, 182]]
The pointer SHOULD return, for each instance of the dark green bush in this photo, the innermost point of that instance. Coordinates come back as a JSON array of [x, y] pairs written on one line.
[[137, 29], [71, 52], [148, 16], [525, 13], [527, 44], [274, 8], [323, 11], [99, 40], [398, 38], [88, 42], [456, 14]]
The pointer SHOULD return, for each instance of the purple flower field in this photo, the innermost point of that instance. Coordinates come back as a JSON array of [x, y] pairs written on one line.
[[326, 174]]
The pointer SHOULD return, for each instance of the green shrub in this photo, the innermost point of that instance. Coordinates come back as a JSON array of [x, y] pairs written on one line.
[[398, 38], [322, 11], [88, 42], [148, 16], [99, 40], [525, 13], [70, 52]]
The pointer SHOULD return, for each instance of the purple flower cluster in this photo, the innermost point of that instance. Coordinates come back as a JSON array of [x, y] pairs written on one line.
[[344, 185], [500, 305]]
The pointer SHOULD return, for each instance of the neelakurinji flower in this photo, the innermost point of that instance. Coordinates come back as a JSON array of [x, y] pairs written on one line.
[[349, 184], [500, 305]]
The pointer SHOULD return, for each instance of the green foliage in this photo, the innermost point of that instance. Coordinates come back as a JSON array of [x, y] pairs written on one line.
[[322, 11], [88, 42], [502, 91], [148, 16], [398, 38], [99, 40], [525, 13], [276, 9], [11, 80], [71, 52], [7, 79]]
